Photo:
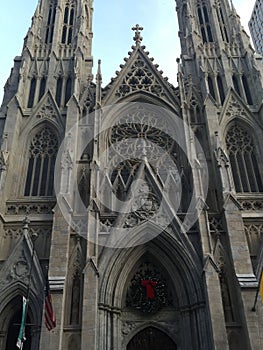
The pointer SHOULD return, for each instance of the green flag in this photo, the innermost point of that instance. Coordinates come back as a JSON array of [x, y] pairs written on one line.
[[21, 337]]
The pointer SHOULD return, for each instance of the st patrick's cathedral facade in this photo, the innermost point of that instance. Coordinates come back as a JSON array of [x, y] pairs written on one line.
[[140, 202]]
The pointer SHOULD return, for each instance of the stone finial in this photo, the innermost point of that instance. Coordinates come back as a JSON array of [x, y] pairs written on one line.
[[26, 223], [99, 75], [137, 37]]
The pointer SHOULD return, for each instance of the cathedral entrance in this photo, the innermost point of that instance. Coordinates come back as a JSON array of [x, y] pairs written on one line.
[[151, 339]]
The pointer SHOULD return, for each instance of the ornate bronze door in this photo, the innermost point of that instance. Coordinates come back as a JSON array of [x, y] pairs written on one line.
[[151, 339]]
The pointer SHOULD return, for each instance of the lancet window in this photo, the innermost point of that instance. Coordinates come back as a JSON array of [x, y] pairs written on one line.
[[42, 88], [68, 90], [211, 87], [247, 90], [222, 23], [204, 23], [243, 159], [241, 86], [59, 90], [68, 23], [216, 88], [41, 163], [195, 112], [51, 22], [221, 89], [32, 91], [236, 84]]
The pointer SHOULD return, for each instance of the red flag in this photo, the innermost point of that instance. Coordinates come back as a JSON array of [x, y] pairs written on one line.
[[50, 320]]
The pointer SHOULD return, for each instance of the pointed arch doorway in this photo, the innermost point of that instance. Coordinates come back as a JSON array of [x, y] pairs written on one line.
[[13, 331], [151, 338]]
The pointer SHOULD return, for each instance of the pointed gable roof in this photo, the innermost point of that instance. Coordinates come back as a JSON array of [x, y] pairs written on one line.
[[17, 268], [234, 107], [139, 74]]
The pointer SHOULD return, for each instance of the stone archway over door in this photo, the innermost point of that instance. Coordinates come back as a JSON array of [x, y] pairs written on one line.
[[151, 339]]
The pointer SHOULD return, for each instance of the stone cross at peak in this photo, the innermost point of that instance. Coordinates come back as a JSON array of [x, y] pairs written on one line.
[[137, 37]]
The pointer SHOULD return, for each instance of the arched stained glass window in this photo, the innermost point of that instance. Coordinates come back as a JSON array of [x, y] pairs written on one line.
[[51, 22], [32, 92], [68, 23], [221, 89], [211, 87], [59, 90], [68, 90], [244, 164], [247, 90], [41, 163], [222, 23], [204, 23], [236, 84], [42, 88]]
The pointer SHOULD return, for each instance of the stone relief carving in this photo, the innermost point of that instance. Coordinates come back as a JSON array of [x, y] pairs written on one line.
[[254, 234], [17, 271], [2, 162], [14, 233], [80, 225], [144, 206], [140, 77], [235, 108], [47, 110], [216, 224], [106, 223], [30, 208], [127, 327], [251, 205]]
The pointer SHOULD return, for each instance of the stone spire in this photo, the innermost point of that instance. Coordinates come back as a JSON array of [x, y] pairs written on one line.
[[59, 38]]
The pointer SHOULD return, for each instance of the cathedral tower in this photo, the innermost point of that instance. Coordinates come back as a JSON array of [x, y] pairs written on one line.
[[221, 77], [151, 235], [56, 56], [42, 94]]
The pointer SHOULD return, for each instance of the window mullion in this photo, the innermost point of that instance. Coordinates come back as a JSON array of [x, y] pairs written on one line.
[[245, 171], [238, 173], [33, 176], [40, 174], [252, 166], [48, 176]]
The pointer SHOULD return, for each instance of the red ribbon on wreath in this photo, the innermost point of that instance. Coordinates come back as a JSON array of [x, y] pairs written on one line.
[[149, 285]]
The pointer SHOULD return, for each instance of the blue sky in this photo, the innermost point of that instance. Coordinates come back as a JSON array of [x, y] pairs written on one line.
[[112, 32]]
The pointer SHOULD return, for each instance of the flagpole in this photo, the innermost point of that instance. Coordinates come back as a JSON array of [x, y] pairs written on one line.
[[258, 289], [256, 299], [26, 223]]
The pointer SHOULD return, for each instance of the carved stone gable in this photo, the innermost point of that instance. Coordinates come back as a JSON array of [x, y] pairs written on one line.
[[140, 77], [17, 267], [144, 206], [235, 108], [139, 74], [77, 262], [47, 110]]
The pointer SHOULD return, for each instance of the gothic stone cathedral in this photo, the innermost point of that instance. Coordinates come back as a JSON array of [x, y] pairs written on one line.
[[151, 235]]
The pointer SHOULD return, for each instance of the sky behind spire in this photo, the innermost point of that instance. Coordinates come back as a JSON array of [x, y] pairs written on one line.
[[112, 25]]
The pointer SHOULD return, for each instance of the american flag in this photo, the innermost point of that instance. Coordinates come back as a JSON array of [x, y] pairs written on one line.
[[50, 320]]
